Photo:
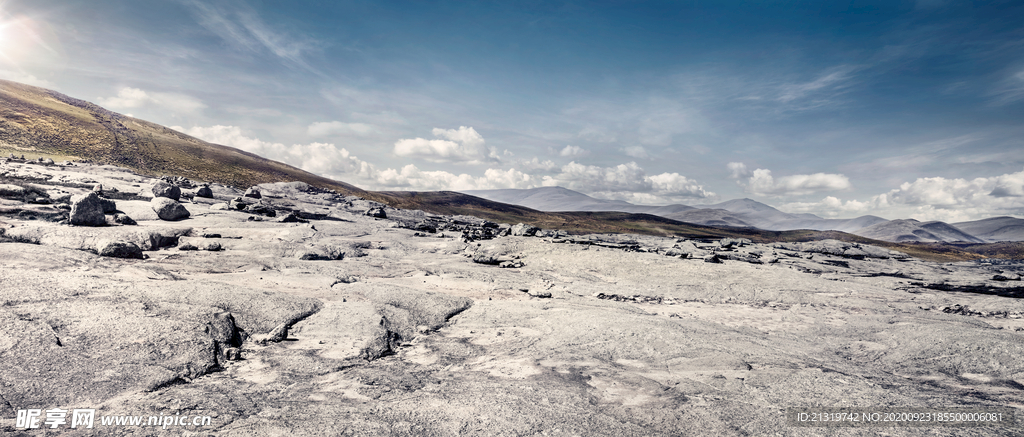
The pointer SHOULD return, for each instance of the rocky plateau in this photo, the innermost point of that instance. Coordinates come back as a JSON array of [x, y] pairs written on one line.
[[288, 309]]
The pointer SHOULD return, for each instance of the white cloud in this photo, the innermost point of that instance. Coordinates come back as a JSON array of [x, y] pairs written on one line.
[[25, 78], [1003, 192], [328, 128], [831, 81], [933, 198], [1010, 89], [829, 207], [319, 158], [638, 152], [536, 164], [573, 151], [129, 98], [761, 182], [338, 163], [462, 145], [626, 181], [738, 170], [242, 27]]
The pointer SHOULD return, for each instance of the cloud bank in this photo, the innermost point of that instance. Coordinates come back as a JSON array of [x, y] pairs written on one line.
[[626, 181], [463, 145], [132, 98], [760, 182]]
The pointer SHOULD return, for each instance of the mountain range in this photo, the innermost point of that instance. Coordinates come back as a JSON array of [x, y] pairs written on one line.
[[40, 123], [748, 213]]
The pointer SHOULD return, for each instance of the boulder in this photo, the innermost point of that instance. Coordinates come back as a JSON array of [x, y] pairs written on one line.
[[377, 213], [47, 162], [168, 209], [321, 253], [87, 210], [165, 190], [290, 217], [1006, 277], [119, 249], [261, 208], [204, 191], [253, 192], [524, 230], [424, 226]]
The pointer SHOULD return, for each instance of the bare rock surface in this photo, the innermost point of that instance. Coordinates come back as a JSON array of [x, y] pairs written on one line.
[[388, 329]]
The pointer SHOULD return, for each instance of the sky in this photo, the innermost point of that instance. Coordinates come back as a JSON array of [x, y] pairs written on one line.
[[900, 109]]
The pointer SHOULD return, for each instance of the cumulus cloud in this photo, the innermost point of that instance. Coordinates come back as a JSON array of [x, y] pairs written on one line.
[[328, 128], [761, 182], [25, 78], [933, 198], [319, 158], [335, 162], [129, 98], [738, 170], [998, 193], [536, 164], [829, 207], [638, 152], [572, 151], [462, 145], [626, 181]]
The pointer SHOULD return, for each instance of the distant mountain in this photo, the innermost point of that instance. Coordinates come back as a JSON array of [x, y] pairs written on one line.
[[764, 216], [910, 230], [995, 228], [735, 213], [558, 199], [709, 217]]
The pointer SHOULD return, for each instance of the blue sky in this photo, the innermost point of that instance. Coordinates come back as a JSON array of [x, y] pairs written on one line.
[[898, 109]]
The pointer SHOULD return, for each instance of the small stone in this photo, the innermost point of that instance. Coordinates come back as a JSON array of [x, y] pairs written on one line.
[[211, 246], [232, 354], [124, 220], [713, 258]]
